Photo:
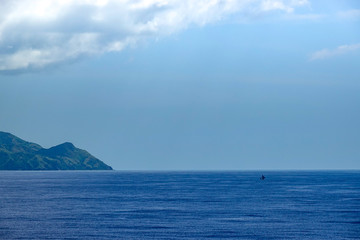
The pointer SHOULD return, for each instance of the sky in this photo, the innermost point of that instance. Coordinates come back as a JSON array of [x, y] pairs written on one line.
[[186, 85]]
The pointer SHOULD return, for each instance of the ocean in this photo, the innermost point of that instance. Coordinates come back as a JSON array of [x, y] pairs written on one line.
[[180, 205]]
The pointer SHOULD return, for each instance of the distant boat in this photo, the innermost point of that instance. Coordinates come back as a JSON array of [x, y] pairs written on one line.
[[262, 177]]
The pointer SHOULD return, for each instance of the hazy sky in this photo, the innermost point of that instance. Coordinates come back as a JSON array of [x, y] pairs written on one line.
[[186, 85]]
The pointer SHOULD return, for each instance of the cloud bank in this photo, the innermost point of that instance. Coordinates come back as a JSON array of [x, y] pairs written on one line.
[[327, 53], [37, 33]]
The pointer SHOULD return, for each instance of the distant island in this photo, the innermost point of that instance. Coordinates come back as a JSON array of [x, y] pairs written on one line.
[[17, 154]]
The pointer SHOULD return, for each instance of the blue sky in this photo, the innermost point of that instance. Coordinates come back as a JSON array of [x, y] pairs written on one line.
[[178, 85]]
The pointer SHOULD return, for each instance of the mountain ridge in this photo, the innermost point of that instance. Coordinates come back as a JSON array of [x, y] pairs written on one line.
[[18, 154]]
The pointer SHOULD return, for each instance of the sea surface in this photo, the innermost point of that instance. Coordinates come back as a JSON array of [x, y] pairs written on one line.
[[180, 205]]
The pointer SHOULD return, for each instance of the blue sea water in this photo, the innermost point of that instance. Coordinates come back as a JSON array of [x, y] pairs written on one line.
[[180, 205]]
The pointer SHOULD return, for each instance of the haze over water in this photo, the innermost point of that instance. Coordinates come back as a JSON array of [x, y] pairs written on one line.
[[299, 205]]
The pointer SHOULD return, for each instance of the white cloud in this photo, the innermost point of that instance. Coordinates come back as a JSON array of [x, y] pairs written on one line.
[[311, 17], [269, 5], [43, 32], [326, 53]]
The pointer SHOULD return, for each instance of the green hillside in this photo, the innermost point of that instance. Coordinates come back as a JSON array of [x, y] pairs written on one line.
[[17, 154]]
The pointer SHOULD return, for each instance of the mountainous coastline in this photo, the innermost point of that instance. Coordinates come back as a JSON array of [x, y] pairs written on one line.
[[17, 154]]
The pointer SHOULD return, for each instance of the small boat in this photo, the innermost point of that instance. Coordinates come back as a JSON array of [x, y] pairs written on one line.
[[262, 177]]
